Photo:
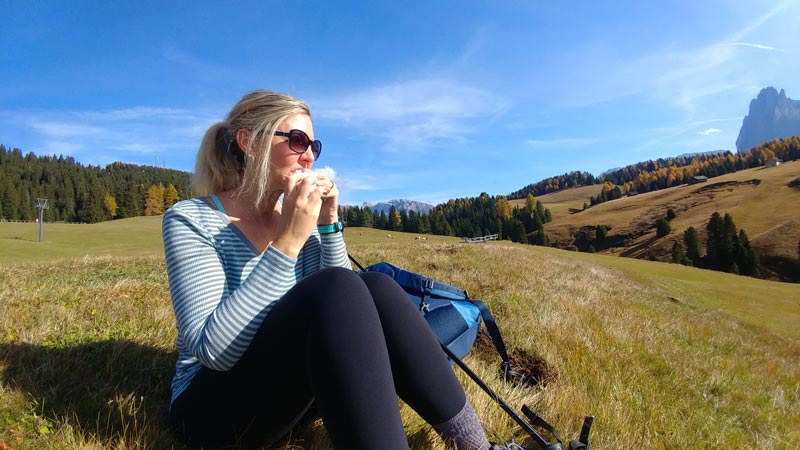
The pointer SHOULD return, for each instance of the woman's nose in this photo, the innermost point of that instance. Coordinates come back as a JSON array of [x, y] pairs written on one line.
[[307, 157]]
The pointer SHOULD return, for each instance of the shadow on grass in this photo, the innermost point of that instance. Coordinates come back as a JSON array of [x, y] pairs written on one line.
[[114, 392], [19, 238], [110, 390]]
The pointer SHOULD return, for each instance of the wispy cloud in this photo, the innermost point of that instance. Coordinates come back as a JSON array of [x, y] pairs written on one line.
[[708, 131], [126, 133], [561, 142], [711, 69], [197, 66], [410, 114], [759, 46]]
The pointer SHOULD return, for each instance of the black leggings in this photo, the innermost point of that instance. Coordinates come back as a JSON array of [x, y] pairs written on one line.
[[350, 341]]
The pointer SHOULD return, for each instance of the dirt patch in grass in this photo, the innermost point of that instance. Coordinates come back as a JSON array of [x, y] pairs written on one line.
[[727, 185], [532, 369]]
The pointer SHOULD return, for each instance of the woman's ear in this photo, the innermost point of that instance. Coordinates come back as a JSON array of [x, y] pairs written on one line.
[[243, 139]]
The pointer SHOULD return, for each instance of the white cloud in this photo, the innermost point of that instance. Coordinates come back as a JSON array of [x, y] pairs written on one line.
[[708, 131]]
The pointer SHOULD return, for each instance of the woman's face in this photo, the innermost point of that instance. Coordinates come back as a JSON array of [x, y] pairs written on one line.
[[285, 161]]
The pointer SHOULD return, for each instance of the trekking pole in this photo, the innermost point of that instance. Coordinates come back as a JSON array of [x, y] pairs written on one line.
[[510, 411]]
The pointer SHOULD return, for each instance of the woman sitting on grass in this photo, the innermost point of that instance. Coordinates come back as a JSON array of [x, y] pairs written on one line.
[[270, 315]]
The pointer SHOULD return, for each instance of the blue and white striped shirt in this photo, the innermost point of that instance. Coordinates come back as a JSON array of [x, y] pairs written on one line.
[[222, 287]]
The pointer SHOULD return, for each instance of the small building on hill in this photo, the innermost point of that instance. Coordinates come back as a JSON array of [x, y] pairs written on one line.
[[698, 179], [772, 162]]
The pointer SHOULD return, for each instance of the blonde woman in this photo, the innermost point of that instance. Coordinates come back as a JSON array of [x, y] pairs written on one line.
[[270, 315]]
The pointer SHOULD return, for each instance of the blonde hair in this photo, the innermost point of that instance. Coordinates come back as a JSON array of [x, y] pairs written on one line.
[[219, 168]]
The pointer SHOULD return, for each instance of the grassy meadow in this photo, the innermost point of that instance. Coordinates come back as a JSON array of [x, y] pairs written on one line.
[[664, 356], [137, 236]]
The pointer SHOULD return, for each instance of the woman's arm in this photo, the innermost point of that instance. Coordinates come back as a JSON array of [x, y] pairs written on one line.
[[215, 324], [334, 251]]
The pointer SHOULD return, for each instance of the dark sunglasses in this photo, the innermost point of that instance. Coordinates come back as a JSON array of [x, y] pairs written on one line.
[[299, 142]]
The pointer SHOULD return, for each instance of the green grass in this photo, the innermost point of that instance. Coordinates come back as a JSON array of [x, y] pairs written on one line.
[[137, 236], [760, 303], [663, 355]]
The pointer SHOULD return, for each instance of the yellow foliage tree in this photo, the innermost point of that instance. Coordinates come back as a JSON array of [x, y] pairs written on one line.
[[170, 196], [503, 208], [154, 203], [530, 204], [110, 204]]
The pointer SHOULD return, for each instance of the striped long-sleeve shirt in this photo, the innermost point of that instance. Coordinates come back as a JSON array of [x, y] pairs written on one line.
[[222, 287]]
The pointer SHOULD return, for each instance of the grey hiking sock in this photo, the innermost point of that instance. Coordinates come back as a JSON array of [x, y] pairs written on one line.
[[464, 431]]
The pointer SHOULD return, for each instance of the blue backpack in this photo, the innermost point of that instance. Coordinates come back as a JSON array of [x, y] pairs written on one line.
[[451, 314], [456, 320]]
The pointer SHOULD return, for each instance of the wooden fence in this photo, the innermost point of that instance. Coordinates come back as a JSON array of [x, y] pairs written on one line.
[[479, 240]]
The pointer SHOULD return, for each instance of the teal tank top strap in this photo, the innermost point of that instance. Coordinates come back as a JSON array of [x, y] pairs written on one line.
[[218, 204]]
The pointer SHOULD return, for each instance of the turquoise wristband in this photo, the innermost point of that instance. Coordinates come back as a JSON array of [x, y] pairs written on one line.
[[330, 228]]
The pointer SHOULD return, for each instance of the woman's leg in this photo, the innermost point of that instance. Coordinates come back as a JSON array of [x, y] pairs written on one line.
[[422, 375], [323, 339]]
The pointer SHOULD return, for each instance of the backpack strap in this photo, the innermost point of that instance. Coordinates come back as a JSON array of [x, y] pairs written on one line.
[[495, 336], [358, 264]]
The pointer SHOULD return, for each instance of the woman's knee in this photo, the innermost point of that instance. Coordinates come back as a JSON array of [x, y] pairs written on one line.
[[387, 294], [377, 281], [342, 291], [336, 276]]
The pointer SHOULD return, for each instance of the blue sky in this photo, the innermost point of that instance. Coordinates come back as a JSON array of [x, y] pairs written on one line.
[[420, 100]]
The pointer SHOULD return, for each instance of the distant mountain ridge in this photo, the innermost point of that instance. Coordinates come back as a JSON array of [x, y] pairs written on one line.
[[400, 205], [772, 115], [711, 152]]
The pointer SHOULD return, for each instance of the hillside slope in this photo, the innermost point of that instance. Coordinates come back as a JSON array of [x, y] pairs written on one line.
[[762, 201]]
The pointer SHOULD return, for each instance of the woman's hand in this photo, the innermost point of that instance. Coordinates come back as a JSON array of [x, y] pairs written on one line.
[[302, 201], [329, 213]]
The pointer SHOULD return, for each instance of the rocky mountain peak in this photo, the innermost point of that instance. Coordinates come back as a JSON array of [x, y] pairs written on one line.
[[772, 115]]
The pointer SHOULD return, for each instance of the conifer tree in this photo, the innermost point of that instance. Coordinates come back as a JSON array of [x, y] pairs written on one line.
[[518, 234], [746, 258], [714, 239], [679, 254], [10, 199], [367, 219], [90, 203], [383, 222], [662, 228], [691, 239], [726, 252], [600, 232]]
